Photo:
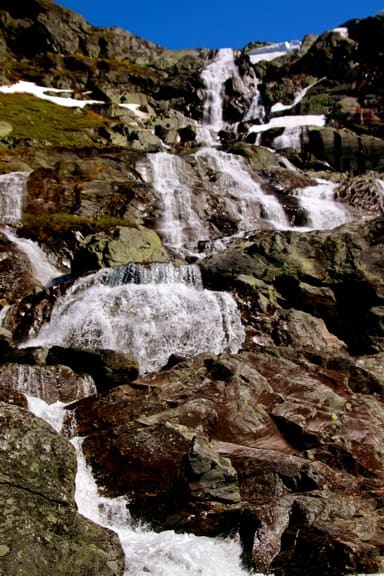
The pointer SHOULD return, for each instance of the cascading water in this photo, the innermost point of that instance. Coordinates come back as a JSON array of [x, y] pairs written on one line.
[[12, 189], [146, 552], [156, 273], [42, 270], [256, 110], [181, 226], [154, 311], [46, 382], [185, 223], [244, 197], [213, 76], [150, 321], [322, 211]]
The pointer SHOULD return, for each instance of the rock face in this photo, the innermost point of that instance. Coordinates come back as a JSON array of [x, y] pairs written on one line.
[[273, 441], [334, 276], [281, 441], [37, 491]]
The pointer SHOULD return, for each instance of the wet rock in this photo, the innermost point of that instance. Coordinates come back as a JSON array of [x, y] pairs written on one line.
[[108, 368], [50, 383], [13, 397], [16, 278], [291, 427]]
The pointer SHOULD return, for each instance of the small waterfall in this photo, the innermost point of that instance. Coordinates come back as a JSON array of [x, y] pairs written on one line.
[[322, 210], [50, 383], [244, 197], [12, 187], [214, 75], [156, 273], [147, 553], [52, 413], [256, 110], [180, 226], [148, 321], [42, 270]]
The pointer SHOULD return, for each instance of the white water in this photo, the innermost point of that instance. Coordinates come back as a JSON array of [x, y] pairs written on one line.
[[148, 321], [185, 213], [52, 413], [213, 76], [243, 196], [146, 553], [156, 273], [180, 226], [12, 190], [256, 110], [45, 381], [42, 270], [322, 210], [12, 187]]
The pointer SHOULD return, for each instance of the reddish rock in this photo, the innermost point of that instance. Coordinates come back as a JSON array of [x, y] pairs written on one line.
[[13, 397], [301, 451]]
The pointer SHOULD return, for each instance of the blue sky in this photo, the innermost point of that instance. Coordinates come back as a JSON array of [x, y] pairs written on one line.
[[180, 24]]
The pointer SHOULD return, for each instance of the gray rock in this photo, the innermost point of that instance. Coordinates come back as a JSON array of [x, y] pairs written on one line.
[[40, 526]]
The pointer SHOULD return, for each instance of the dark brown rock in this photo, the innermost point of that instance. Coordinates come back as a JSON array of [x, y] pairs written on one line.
[[108, 368], [296, 434], [13, 397]]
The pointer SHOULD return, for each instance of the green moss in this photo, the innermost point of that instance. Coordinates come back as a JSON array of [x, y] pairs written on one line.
[[42, 227], [45, 122]]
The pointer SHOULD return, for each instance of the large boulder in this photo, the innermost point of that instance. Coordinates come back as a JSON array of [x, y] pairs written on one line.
[[40, 526], [121, 246], [108, 368]]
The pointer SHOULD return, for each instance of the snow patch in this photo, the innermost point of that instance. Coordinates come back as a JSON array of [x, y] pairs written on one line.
[[42, 92], [290, 122], [272, 51]]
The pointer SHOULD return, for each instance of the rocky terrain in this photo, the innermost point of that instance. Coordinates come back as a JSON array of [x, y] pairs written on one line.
[[192, 268]]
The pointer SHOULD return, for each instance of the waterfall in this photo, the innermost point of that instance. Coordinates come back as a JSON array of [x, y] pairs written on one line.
[[12, 187], [243, 196], [156, 273], [42, 270], [322, 210], [46, 382], [256, 110], [188, 198], [213, 76], [147, 553], [149, 321], [180, 226]]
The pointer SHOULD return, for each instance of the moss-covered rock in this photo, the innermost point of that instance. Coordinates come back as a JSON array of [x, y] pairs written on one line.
[[40, 527], [119, 247]]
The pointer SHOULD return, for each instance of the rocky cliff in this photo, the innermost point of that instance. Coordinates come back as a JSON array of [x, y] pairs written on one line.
[[191, 266]]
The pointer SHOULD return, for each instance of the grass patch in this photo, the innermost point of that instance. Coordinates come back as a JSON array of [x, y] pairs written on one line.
[[42, 227], [47, 123]]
